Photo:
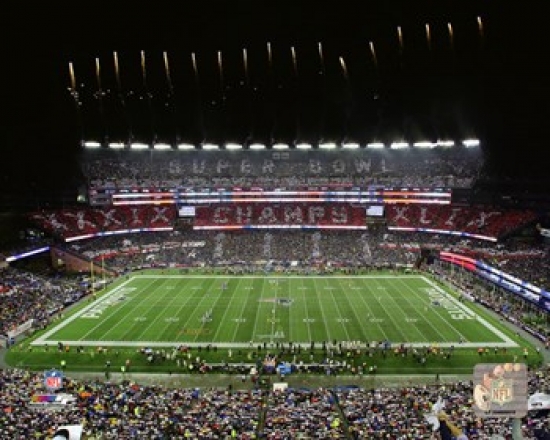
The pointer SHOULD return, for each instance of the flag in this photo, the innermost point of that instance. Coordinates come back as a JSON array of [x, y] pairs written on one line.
[[438, 419], [448, 430]]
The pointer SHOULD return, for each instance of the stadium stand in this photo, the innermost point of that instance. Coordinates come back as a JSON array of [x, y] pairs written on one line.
[[25, 296], [440, 167], [478, 220], [128, 410]]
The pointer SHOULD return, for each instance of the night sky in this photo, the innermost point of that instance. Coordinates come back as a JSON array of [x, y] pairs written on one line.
[[494, 87]]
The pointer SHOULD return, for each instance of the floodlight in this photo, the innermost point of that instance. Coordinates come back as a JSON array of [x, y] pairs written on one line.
[[280, 146], [399, 145], [209, 146], [303, 146], [425, 144], [350, 145], [470, 143], [257, 146], [92, 144], [233, 146], [375, 145], [162, 146], [445, 143], [327, 145], [186, 147], [139, 146]]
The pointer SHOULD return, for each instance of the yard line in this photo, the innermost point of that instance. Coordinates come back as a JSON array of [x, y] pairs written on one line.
[[273, 314], [162, 298], [290, 296], [398, 306], [339, 313], [185, 303], [318, 296], [480, 319], [194, 312], [306, 309], [44, 337], [448, 323], [115, 311], [361, 327], [237, 324], [429, 321], [258, 306], [215, 337], [397, 327], [361, 296]]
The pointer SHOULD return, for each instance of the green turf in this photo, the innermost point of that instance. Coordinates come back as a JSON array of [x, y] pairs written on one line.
[[160, 310], [170, 310]]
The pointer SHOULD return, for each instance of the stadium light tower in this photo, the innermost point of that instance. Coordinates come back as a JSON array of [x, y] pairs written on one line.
[[400, 145], [425, 144], [92, 144], [138, 146], [162, 146], [233, 146], [327, 146], [280, 146], [469, 143], [375, 145], [257, 146], [350, 145]]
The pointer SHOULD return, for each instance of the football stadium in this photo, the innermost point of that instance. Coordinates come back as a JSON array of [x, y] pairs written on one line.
[[274, 221]]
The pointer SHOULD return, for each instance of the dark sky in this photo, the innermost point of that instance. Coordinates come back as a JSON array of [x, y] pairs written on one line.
[[495, 88]]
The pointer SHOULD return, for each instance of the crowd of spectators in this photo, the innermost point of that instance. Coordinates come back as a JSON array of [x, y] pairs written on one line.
[[486, 221], [128, 410], [535, 270], [376, 247], [85, 222], [254, 248], [440, 167], [399, 414], [25, 296]]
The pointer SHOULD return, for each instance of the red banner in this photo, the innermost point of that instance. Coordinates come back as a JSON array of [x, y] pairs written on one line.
[[281, 215]]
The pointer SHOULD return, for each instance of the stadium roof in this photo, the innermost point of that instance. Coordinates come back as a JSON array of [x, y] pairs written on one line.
[[268, 71]]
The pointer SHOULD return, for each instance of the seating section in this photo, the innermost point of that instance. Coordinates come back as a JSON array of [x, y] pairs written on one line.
[[283, 214], [131, 410], [440, 167], [84, 221], [477, 220]]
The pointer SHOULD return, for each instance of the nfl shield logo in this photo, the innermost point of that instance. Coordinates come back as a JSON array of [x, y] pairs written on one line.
[[53, 380], [502, 391]]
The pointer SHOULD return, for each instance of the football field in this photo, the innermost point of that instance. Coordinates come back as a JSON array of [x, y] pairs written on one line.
[[235, 311]]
